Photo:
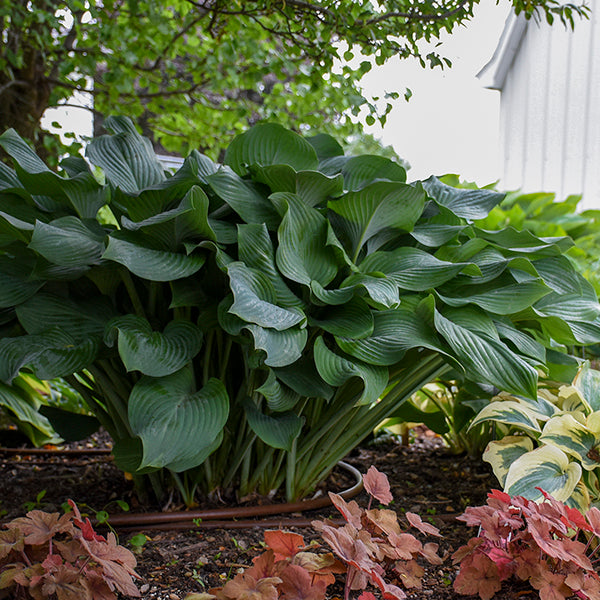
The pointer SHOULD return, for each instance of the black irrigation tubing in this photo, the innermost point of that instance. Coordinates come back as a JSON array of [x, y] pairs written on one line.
[[231, 517]]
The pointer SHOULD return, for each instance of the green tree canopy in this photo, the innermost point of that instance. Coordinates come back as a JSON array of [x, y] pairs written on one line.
[[197, 71]]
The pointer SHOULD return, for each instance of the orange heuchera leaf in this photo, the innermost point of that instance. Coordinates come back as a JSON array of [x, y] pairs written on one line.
[[263, 565], [63, 581], [384, 519], [416, 521], [297, 584], [410, 573], [245, 587], [478, 575], [285, 544], [367, 596], [377, 484], [38, 526]]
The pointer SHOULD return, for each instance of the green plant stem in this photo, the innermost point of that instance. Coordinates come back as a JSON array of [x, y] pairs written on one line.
[[138, 307], [290, 479]]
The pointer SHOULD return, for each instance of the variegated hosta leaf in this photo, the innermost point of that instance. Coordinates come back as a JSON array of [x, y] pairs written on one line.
[[270, 144], [152, 352], [51, 354], [587, 381], [411, 269], [336, 370], [68, 242], [509, 412], [279, 396], [580, 440], [278, 430], [149, 263], [255, 297], [376, 208], [175, 422], [281, 347], [571, 399], [486, 359], [304, 253], [465, 203], [547, 468], [501, 454]]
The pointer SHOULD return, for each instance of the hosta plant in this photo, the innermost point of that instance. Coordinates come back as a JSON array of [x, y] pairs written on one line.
[[288, 570], [375, 546], [548, 544], [552, 443], [241, 327], [46, 556]]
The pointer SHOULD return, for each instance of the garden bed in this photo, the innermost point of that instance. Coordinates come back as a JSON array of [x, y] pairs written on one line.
[[424, 478]]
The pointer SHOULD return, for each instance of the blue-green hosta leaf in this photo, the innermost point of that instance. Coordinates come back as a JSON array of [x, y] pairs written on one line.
[[394, 332], [582, 332], [279, 396], [304, 379], [336, 370], [352, 319], [25, 409], [435, 235], [278, 430], [152, 352], [254, 299], [580, 440], [547, 468], [383, 291], [498, 297], [270, 144], [175, 422], [334, 297], [68, 242], [148, 263], [325, 146], [85, 194], [568, 306], [558, 273], [522, 342], [51, 354], [359, 171], [488, 360], [501, 454], [587, 381], [509, 412], [279, 178], [375, 209], [304, 253], [465, 203], [472, 318], [514, 242], [81, 320], [244, 198], [127, 158], [15, 286], [255, 249], [316, 188], [24, 156], [410, 268], [282, 347]]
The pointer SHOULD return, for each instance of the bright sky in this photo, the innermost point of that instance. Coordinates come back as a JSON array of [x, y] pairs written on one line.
[[451, 123]]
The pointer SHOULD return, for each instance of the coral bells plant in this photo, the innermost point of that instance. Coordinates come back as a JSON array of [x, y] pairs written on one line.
[[288, 570], [48, 556], [549, 544], [375, 546]]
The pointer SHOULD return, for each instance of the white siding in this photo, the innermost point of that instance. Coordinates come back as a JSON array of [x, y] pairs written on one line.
[[550, 111]]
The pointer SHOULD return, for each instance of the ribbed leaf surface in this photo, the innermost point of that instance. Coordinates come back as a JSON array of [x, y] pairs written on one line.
[[281, 347], [278, 430]]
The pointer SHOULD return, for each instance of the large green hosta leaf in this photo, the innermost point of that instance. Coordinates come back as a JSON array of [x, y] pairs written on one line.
[[278, 430], [175, 422], [282, 348], [152, 352]]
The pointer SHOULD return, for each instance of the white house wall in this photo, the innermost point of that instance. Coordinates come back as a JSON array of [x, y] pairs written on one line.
[[550, 111]]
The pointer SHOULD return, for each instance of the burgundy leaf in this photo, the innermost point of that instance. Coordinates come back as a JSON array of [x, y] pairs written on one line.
[[377, 485]]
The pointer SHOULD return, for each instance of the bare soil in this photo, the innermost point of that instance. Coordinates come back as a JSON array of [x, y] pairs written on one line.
[[425, 478]]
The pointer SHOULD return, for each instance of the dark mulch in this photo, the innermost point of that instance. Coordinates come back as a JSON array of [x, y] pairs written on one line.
[[424, 477]]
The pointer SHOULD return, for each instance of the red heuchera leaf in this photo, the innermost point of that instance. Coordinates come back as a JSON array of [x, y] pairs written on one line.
[[345, 543], [416, 521], [530, 563], [285, 544], [503, 560], [297, 584], [478, 575], [246, 587], [85, 526], [593, 518], [377, 485], [367, 596], [38, 526], [499, 499], [350, 510], [263, 565]]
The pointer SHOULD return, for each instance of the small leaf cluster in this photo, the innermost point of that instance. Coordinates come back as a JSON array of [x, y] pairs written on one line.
[[46, 556], [287, 570], [549, 544], [374, 545]]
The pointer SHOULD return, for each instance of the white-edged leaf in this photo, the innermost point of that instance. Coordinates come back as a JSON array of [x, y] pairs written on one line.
[[501, 454]]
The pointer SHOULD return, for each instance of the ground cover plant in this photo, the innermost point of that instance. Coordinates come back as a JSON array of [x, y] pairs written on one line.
[[224, 321], [552, 546], [49, 556], [549, 443]]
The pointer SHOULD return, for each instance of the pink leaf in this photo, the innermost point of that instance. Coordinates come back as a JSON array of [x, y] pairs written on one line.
[[367, 596], [350, 510], [416, 521], [377, 485], [478, 575]]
